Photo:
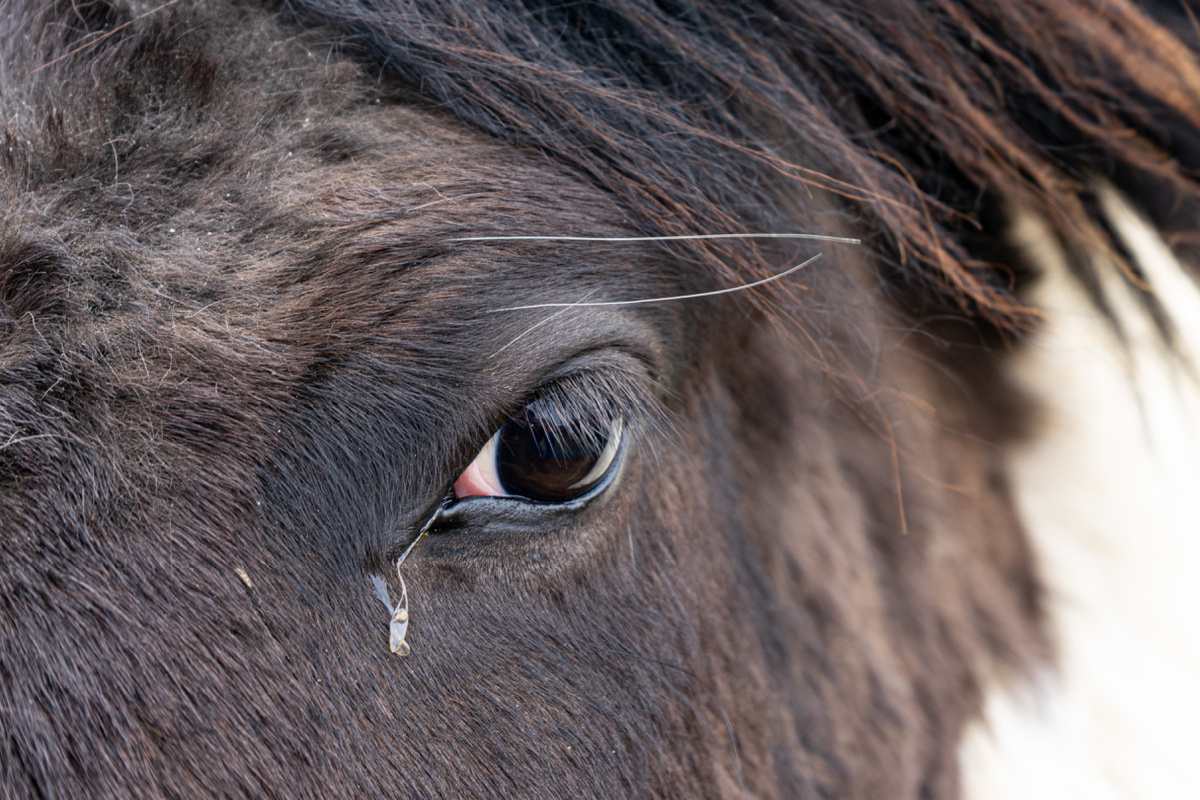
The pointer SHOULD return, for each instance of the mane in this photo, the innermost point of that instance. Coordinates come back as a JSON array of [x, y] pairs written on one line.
[[926, 119]]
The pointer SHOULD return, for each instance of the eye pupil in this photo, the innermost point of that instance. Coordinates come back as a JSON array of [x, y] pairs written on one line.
[[545, 457]]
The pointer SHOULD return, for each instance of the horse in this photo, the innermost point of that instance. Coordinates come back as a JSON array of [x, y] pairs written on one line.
[[451, 399]]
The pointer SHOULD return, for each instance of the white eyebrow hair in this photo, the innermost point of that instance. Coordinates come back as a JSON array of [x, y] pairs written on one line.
[[713, 293], [810, 236]]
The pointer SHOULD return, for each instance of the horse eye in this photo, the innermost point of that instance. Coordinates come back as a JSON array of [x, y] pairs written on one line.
[[544, 454]]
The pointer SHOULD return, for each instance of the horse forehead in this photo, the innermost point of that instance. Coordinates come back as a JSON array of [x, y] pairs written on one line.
[[319, 226], [258, 165]]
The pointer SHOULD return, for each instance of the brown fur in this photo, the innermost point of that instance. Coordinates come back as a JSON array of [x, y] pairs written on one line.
[[236, 334]]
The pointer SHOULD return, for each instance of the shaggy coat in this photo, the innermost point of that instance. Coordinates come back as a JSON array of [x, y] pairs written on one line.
[[248, 343]]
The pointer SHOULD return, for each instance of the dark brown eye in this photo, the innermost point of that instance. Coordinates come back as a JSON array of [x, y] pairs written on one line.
[[542, 456], [543, 453]]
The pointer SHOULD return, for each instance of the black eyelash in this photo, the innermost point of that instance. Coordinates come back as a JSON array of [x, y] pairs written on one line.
[[583, 418], [587, 403]]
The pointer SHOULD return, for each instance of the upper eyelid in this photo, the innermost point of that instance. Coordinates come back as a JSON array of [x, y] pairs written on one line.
[[591, 392], [599, 388]]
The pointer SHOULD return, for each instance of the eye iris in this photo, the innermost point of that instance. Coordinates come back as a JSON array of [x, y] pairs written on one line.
[[543, 456]]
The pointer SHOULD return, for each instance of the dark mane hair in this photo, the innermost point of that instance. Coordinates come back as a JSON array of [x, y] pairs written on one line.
[[924, 117]]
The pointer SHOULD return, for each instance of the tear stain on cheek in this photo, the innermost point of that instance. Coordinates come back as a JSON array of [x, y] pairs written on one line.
[[398, 627]]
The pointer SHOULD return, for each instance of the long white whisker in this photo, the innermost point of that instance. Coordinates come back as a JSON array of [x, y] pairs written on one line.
[[811, 236], [535, 326], [714, 293]]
